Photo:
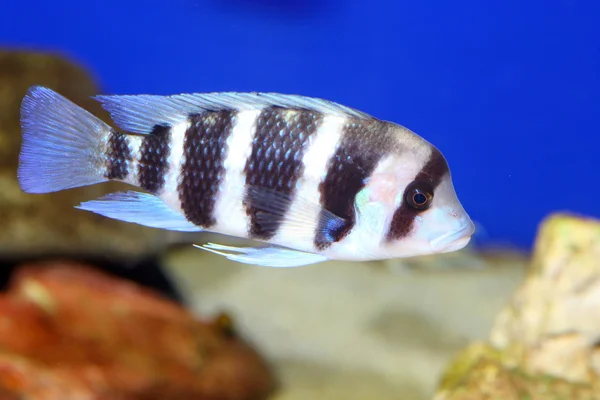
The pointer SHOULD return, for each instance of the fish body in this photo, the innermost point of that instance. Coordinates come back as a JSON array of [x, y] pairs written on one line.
[[311, 179]]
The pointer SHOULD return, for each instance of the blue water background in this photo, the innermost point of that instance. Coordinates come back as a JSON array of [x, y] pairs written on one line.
[[508, 90]]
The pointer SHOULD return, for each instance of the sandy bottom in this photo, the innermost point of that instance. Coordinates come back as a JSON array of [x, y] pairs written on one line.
[[359, 330]]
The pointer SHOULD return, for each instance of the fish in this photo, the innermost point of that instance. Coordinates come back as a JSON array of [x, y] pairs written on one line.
[[307, 180]]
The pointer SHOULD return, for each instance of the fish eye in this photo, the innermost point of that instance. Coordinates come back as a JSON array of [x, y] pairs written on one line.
[[419, 195]]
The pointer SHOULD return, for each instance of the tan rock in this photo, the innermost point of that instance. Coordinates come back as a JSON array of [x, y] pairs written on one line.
[[553, 321], [545, 342], [479, 373]]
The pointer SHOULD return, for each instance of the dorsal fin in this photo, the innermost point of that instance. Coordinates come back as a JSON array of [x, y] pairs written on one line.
[[140, 113]]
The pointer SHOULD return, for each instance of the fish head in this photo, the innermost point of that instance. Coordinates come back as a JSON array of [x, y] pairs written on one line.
[[428, 217], [444, 226]]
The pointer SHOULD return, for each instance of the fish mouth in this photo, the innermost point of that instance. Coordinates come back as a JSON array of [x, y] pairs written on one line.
[[453, 240]]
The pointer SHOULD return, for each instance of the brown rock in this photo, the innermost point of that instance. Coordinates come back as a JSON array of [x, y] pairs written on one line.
[[68, 331], [34, 224]]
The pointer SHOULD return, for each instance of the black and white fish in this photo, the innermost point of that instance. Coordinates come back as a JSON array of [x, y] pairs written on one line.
[[311, 179]]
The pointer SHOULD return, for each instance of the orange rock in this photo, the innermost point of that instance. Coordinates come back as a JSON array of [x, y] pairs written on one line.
[[67, 330]]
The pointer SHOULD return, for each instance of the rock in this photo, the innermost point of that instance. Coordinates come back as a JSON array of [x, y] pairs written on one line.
[[546, 340], [480, 373], [68, 331], [34, 224], [552, 324]]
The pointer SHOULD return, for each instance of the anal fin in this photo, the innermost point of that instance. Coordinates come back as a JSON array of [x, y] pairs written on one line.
[[139, 208], [265, 256]]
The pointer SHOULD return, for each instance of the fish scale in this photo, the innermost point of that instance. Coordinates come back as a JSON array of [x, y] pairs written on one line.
[[202, 164], [118, 156], [153, 164], [267, 168]]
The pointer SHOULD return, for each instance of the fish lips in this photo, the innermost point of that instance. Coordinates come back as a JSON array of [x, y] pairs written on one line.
[[453, 240]]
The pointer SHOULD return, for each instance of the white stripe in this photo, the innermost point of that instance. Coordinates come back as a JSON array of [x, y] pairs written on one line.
[[230, 212], [169, 193], [321, 148]]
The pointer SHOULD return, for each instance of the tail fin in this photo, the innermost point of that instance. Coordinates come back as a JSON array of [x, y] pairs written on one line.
[[62, 144]]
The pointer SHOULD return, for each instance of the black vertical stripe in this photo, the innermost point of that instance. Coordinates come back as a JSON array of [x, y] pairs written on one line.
[[118, 156], [364, 143], [275, 163], [154, 154], [432, 172], [205, 150]]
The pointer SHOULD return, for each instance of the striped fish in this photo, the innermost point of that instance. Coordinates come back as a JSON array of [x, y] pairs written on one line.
[[310, 179]]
